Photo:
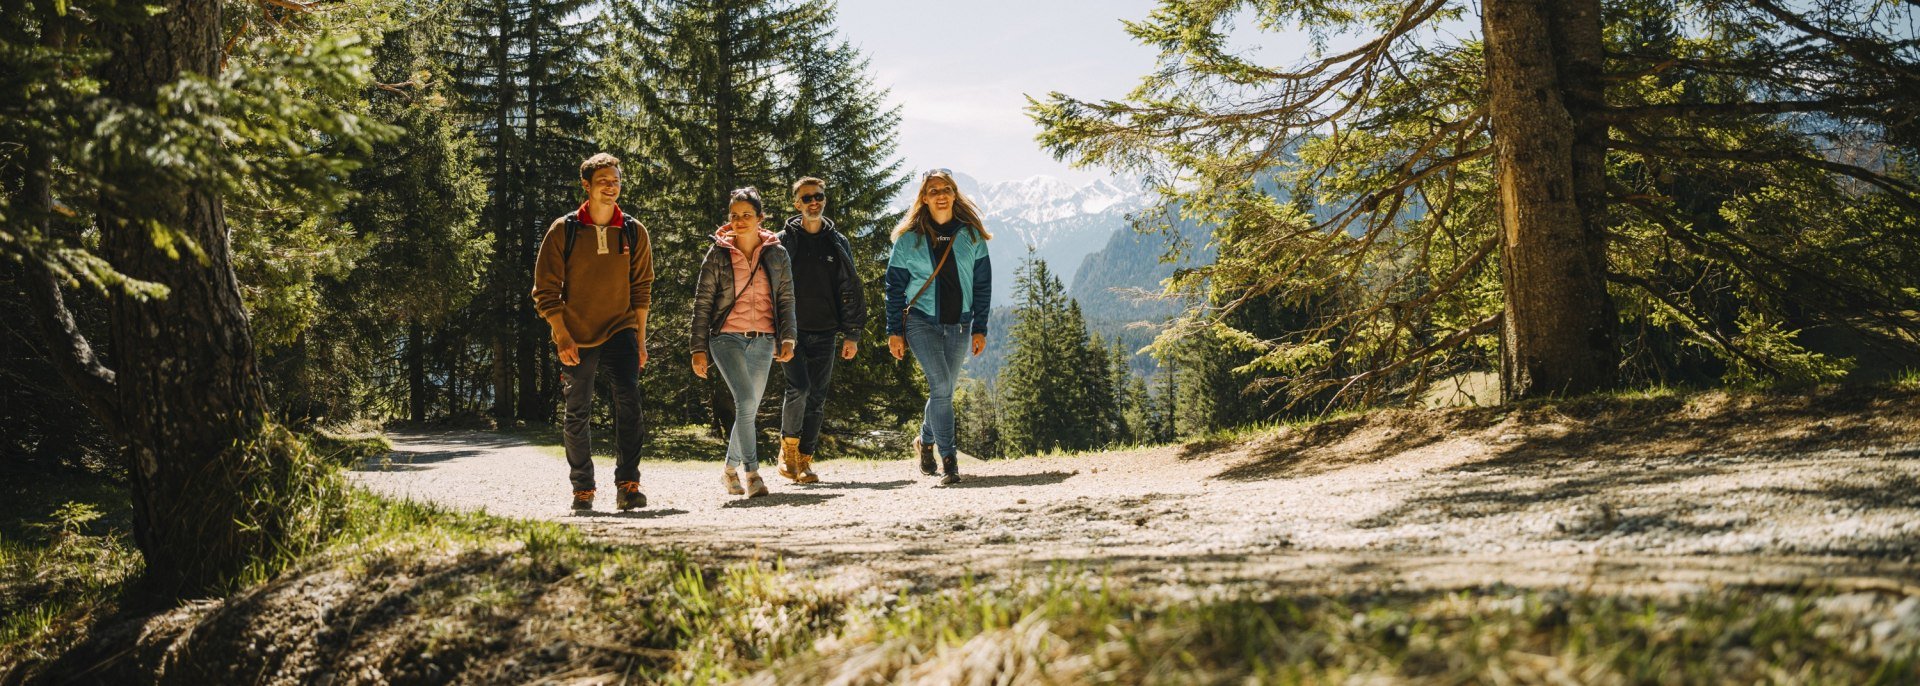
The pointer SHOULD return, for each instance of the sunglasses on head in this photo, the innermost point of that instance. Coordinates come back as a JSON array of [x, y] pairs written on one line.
[[937, 171], [813, 197]]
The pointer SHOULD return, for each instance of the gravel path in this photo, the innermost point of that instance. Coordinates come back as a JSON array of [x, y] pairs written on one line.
[[1394, 501]]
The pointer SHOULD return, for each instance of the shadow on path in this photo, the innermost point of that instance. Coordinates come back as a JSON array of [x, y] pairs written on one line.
[[402, 461], [778, 499], [856, 485], [1002, 480]]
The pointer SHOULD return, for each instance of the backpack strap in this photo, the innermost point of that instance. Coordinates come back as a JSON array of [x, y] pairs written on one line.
[[573, 226]]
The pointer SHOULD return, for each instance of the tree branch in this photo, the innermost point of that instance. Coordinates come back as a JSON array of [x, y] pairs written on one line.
[[1617, 115], [67, 348]]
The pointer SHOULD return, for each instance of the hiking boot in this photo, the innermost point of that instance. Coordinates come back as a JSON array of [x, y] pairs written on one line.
[[951, 464], [755, 487], [582, 500], [927, 465], [630, 496], [806, 470], [790, 457], [732, 482]]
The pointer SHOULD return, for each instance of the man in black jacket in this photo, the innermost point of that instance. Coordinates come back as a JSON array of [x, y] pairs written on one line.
[[829, 301]]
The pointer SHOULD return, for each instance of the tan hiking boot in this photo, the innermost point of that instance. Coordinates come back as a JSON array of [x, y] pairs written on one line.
[[755, 487], [806, 470], [790, 457], [732, 481]]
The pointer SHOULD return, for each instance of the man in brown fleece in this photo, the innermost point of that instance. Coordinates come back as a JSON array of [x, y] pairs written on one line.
[[593, 283]]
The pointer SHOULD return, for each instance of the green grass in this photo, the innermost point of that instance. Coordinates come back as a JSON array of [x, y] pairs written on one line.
[[481, 598], [65, 557]]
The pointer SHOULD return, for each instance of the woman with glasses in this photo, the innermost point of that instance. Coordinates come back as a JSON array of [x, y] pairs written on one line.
[[939, 286], [742, 302]]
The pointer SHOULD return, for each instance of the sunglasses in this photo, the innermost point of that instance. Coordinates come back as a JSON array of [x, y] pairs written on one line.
[[813, 197], [937, 171]]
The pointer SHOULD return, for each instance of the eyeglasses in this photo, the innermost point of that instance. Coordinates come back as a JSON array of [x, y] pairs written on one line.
[[813, 198], [937, 171]]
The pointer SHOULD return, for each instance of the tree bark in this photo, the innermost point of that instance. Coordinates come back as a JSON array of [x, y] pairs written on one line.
[[188, 389], [416, 371], [502, 189], [1544, 59]]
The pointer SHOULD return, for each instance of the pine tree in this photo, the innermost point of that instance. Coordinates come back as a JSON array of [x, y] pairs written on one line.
[[525, 71], [719, 94], [1478, 211], [1056, 388]]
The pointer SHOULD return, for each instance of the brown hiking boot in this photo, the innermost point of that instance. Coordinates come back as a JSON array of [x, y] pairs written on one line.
[[806, 470], [927, 465], [630, 496], [582, 500], [790, 457], [732, 482], [755, 487]]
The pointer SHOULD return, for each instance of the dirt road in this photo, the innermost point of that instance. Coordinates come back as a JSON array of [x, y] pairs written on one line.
[[1654, 495]]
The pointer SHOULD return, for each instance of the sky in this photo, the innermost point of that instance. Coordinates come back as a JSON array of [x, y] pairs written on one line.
[[961, 71]]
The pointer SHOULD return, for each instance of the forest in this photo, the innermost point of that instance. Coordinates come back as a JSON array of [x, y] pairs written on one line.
[[235, 232]]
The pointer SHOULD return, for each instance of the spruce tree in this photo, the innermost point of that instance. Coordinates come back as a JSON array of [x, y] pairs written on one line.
[[525, 73], [718, 94], [1055, 390]]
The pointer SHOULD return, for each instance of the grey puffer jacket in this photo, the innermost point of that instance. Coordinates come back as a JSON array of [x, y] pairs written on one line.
[[713, 292]]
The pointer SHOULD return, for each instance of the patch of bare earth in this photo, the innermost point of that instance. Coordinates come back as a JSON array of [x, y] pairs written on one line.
[[1650, 495]]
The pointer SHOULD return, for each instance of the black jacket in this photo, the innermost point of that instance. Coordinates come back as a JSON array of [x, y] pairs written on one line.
[[849, 298], [713, 293]]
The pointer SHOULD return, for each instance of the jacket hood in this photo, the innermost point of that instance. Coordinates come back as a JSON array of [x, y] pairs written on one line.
[[722, 238], [793, 224]]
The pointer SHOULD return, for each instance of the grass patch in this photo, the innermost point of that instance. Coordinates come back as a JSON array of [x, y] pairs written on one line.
[[434, 596], [347, 444], [1079, 628], [65, 556]]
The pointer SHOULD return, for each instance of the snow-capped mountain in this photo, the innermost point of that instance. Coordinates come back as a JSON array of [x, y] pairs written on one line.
[[1060, 222]]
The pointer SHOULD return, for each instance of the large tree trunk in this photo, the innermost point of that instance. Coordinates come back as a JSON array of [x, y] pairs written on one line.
[[1543, 67], [192, 409]]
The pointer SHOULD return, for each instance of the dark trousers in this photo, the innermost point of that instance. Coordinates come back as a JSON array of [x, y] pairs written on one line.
[[809, 374], [621, 357]]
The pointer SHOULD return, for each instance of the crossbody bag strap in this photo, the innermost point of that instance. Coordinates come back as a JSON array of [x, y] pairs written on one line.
[[743, 289], [936, 273]]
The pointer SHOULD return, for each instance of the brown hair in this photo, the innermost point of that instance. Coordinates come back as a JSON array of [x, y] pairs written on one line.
[[596, 163], [920, 219], [748, 195], [809, 181]]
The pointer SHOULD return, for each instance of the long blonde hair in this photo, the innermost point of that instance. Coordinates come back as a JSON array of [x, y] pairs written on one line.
[[919, 218]]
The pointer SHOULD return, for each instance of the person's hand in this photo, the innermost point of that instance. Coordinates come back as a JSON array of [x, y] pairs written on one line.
[[786, 352], [643, 355], [848, 348], [897, 346], [979, 344], [569, 351], [700, 365]]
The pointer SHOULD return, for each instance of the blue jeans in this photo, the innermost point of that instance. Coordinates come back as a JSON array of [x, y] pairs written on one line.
[[809, 374], [940, 349], [743, 362]]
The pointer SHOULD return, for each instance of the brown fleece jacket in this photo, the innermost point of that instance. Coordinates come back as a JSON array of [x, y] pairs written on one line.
[[597, 293]]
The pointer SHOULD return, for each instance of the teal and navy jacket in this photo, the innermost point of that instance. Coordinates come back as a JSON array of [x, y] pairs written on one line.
[[911, 264]]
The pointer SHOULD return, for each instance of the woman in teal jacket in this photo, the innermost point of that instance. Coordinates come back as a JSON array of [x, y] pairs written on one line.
[[939, 286]]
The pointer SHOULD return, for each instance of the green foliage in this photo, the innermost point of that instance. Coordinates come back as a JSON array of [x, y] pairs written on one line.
[[1356, 189], [1058, 390], [712, 95]]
